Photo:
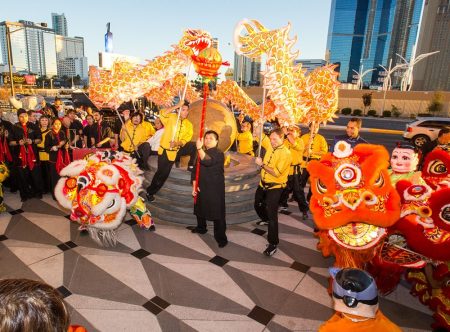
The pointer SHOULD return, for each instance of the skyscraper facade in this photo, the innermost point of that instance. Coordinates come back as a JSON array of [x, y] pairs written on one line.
[[59, 24], [247, 70], [70, 56], [364, 34], [32, 46], [433, 73]]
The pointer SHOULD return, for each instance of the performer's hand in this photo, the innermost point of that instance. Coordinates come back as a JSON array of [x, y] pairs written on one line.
[[21, 142], [258, 161], [194, 192], [54, 148], [291, 138], [199, 143], [99, 145], [173, 144]]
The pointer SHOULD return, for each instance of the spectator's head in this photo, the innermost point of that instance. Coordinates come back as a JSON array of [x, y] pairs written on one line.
[[405, 158], [72, 114], [22, 115], [56, 126], [43, 103], [444, 136], [66, 122], [353, 127], [29, 305], [276, 137], [211, 139], [89, 110], [32, 116], [158, 124], [98, 115], [184, 110], [246, 126], [126, 114], [136, 118], [44, 121], [89, 119]]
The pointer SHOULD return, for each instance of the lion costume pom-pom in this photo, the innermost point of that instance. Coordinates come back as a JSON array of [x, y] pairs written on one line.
[[99, 190]]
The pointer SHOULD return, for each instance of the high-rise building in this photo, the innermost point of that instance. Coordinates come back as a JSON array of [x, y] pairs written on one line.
[[364, 34], [247, 70], [70, 56], [310, 64], [433, 73], [59, 24], [215, 43], [32, 46]]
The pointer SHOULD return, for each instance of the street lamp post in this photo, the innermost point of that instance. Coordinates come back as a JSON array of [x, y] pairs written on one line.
[[407, 79], [387, 79], [360, 76], [8, 45]]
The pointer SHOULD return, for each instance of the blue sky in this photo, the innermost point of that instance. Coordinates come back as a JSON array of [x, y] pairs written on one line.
[[148, 28]]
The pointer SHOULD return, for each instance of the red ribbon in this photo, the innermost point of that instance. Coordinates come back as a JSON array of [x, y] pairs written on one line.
[[26, 152], [63, 158], [5, 154], [202, 126]]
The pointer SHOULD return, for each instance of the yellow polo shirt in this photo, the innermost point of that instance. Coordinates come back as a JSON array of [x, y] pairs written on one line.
[[139, 134], [319, 147], [296, 150], [245, 142], [279, 159], [184, 133]]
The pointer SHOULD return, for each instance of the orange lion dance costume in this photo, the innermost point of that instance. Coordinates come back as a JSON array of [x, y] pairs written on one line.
[[353, 202]]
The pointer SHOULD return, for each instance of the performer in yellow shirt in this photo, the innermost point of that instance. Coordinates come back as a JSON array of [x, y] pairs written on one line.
[[296, 146], [137, 133], [172, 145], [318, 148], [245, 139], [274, 174]]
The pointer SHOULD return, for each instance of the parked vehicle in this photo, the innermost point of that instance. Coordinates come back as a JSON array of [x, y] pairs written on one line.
[[424, 130]]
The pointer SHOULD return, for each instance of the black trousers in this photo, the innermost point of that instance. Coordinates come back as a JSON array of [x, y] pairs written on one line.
[[220, 227], [30, 181], [266, 206], [294, 185], [54, 177], [46, 181], [165, 166], [304, 180]]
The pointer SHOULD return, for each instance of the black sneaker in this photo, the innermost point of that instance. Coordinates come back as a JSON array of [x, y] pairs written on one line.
[[152, 228], [262, 223], [199, 231], [222, 244], [270, 250], [150, 198]]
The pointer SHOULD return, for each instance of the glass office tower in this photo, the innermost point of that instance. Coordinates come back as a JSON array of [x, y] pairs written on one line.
[[363, 34]]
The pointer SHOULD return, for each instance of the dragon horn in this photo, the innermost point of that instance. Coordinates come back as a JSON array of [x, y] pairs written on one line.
[[259, 25]]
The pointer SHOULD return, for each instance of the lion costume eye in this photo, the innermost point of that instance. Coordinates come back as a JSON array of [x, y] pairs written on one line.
[[82, 182], [437, 167], [321, 188], [379, 181]]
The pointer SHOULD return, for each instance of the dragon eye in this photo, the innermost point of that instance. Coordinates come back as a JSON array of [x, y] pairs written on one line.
[[379, 181], [321, 188], [445, 213], [425, 212], [437, 167]]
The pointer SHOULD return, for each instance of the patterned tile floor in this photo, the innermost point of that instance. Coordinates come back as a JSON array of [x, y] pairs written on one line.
[[173, 280]]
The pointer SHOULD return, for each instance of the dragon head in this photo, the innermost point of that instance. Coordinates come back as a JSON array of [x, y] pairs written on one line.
[[193, 41], [353, 199]]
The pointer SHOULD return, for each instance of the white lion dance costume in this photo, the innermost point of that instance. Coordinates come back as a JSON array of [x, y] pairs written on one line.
[[98, 190]]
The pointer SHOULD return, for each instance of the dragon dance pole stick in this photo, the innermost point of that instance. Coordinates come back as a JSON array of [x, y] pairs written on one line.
[[262, 121], [202, 126], [182, 98]]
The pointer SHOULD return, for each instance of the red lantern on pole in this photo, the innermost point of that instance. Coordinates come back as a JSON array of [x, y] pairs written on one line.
[[206, 64]]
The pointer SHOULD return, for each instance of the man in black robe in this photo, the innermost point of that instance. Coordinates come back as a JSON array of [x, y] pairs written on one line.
[[210, 194]]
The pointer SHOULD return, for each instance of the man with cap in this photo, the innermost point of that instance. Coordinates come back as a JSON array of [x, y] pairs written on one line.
[[23, 141], [355, 300]]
